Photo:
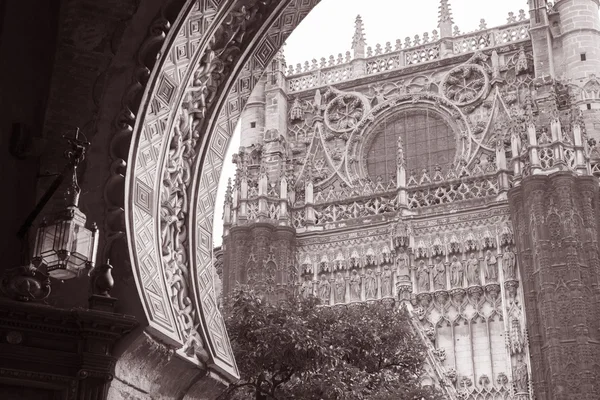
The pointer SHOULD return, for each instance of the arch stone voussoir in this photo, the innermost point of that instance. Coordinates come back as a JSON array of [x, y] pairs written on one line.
[[206, 62]]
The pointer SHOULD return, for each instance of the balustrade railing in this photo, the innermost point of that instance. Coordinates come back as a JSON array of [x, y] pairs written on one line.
[[412, 52], [372, 199]]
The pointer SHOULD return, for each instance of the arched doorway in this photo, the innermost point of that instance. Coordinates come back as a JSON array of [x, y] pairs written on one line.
[[212, 55]]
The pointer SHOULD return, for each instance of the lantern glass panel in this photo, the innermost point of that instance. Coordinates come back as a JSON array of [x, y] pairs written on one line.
[[48, 252], [82, 247], [67, 235]]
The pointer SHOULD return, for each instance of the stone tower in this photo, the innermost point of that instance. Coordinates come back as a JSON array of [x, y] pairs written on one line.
[[579, 23], [454, 172], [258, 240]]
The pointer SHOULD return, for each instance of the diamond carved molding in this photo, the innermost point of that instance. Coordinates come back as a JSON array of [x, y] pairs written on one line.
[[196, 72]]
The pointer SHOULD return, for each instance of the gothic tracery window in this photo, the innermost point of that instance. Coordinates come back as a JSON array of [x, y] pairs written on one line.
[[428, 141]]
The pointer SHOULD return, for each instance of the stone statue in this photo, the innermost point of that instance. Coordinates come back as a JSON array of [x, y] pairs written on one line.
[[307, 287], [423, 276], [324, 289], [355, 286], [340, 288], [473, 270], [439, 274], [491, 267], [520, 376], [386, 282], [457, 272], [370, 285], [508, 264], [403, 266]]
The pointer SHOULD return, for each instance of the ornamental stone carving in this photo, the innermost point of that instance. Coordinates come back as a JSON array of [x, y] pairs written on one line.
[[473, 270], [439, 274], [457, 272], [355, 286], [324, 289], [509, 264], [386, 281], [520, 376], [491, 267], [344, 112], [307, 287], [465, 84], [403, 265], [340, 289], [423, 276], [370, 284]]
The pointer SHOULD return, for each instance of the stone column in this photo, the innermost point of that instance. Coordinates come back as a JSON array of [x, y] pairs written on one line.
[[556, 232]]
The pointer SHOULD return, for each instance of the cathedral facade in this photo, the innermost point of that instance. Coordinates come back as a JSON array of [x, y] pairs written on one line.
[[454, 172], [450, 171]]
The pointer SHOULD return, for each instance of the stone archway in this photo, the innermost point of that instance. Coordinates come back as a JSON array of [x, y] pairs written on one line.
[[197, 68]]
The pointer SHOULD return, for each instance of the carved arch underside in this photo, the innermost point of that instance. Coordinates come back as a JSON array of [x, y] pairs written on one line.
[[211, 58]]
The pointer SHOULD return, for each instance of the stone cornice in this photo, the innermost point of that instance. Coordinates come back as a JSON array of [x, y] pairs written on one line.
[[44, 318]]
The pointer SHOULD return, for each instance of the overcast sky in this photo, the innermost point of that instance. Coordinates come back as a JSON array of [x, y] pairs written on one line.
[[328, 30]]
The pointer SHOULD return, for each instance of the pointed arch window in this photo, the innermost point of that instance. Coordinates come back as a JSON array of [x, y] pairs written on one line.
[[428, 141]]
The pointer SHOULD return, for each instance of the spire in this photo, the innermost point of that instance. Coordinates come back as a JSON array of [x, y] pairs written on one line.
[[228, 192], [358, 40], [445, 21]]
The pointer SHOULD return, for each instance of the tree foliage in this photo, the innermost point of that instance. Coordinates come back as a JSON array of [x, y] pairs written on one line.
[[294, 349]]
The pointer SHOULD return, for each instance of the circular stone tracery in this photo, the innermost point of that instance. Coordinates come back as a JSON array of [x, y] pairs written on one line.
[[465, 84], [344, 112]]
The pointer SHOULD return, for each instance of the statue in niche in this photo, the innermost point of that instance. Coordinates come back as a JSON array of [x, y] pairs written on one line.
[[439, 274], [386, 282], [324, 289], [355, 286], [473, 270], [520, 376], [491, 267], [371, 285], [401, 162], [457, 272], [340, 288], [508, 264], [306, 289], [403, 265], [423, 276]]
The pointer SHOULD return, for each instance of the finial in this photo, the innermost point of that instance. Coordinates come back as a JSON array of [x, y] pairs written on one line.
[[102, 280], [228, 191], [358, 40], [445, 20]]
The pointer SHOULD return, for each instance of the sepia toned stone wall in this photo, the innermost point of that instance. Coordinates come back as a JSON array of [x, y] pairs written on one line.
[[556, 227]]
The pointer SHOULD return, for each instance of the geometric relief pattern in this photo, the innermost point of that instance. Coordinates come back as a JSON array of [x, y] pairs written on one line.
[[149, 140], [172, 74], [217, 147]]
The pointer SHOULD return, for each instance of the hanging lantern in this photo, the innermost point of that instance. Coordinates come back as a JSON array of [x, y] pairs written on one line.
[[64, 246]]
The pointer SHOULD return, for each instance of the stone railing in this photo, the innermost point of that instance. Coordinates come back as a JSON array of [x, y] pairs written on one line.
[[374, 199], [552, 150], [420, 50], [479, 40], [320, 77], [272, 210], [449, 192]]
